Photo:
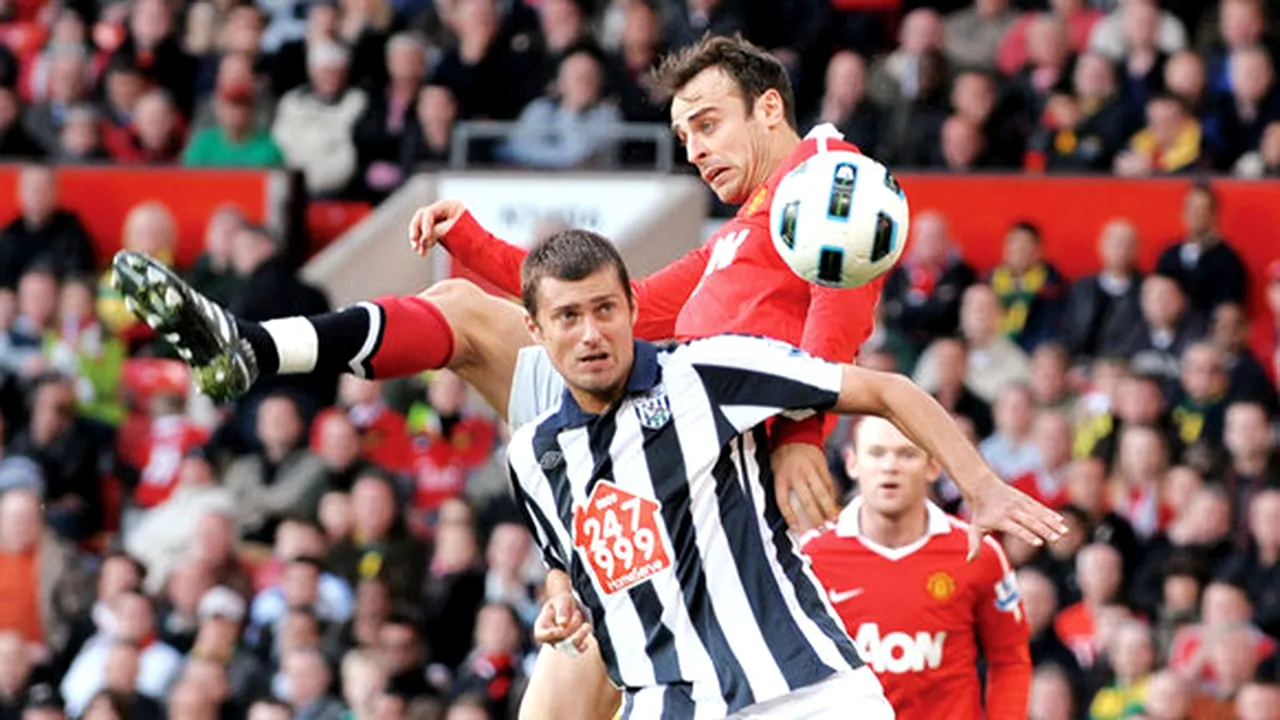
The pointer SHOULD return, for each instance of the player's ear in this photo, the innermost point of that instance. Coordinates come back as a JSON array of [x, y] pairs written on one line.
[[850, 462], [770, 109], [934, 471], [532, 326]]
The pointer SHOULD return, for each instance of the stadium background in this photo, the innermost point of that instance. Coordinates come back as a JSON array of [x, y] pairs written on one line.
[[369, 522]]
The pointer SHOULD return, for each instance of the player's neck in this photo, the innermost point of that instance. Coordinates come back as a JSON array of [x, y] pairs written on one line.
[[596, 403], [779, 145], [893, 532]]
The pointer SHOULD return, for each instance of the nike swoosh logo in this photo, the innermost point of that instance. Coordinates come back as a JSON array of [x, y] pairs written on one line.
[[839, 597]]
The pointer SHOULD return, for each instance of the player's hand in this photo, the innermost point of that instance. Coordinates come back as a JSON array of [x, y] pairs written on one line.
[[430, 223], [801, 469], [999, 507], [562, 623]]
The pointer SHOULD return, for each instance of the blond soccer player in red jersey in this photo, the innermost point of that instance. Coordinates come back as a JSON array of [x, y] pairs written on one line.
[[921, 616]]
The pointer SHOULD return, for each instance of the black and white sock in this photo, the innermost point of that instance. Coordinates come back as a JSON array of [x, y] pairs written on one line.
[[341, 341]]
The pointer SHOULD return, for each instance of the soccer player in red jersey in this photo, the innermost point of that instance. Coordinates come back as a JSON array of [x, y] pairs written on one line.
[[734, 112], [894, 567]]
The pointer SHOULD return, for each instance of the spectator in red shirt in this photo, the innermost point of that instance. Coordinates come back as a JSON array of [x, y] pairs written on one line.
[[384, 438], [1047, 483], [450, 442], [1230, 655], [152, 459], [1136, 493], [1224, 606], [1076, 14], [1099, 572]]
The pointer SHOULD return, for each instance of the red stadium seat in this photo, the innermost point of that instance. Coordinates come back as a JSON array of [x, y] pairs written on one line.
[[328, 219]]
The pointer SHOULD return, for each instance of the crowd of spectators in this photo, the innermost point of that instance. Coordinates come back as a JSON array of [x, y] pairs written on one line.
[[324, 548], [1140, 403], [335, 547], [357, 94], [332, 547]]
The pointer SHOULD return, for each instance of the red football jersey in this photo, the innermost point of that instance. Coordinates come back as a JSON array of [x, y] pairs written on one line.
[[155, 448], [441, 466], [735, 283], [921, 616], [1043, 488]]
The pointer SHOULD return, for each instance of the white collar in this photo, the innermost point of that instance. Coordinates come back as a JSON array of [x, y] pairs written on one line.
[[848, 525], [824, 130]]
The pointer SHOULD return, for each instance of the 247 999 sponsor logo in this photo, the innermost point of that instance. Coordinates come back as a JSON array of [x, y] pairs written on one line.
[[617, 533]]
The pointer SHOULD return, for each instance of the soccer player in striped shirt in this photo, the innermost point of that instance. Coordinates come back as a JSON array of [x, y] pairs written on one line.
[[592, 345], [928, 616], [645, 486]]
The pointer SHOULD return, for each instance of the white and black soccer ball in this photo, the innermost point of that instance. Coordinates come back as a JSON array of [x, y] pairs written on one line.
[[839, 219]]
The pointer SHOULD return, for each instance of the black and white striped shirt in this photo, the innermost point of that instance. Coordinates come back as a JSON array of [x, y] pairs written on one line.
[[662, 511]]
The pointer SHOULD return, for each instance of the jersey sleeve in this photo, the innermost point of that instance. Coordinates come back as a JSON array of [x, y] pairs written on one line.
[[840, 320], [750, 379], [1004, 635], [537, 524], [494, 259], [838, 323], [660, 297]]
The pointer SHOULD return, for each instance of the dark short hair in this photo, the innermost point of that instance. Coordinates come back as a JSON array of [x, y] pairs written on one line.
[[569, 255], [751, 67], [1204, 187], [589, 49], [1029, 227], [139, 568], [307, 613], [312, 561], [271, 702], [1176, 100]]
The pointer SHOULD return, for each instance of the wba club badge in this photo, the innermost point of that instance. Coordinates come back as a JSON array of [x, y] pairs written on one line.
[[654, 411]]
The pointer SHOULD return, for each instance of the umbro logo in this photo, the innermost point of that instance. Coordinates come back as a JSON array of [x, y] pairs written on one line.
[[550, 459]]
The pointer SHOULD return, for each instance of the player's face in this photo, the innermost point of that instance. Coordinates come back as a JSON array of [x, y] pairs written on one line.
[[723, 137], [893, 474], [586, 327]]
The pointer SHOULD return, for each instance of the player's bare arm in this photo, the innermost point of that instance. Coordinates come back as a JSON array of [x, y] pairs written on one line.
[[996, 506]]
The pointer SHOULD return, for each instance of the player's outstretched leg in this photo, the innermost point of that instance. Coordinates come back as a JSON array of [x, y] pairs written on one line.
[[452, 324]]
